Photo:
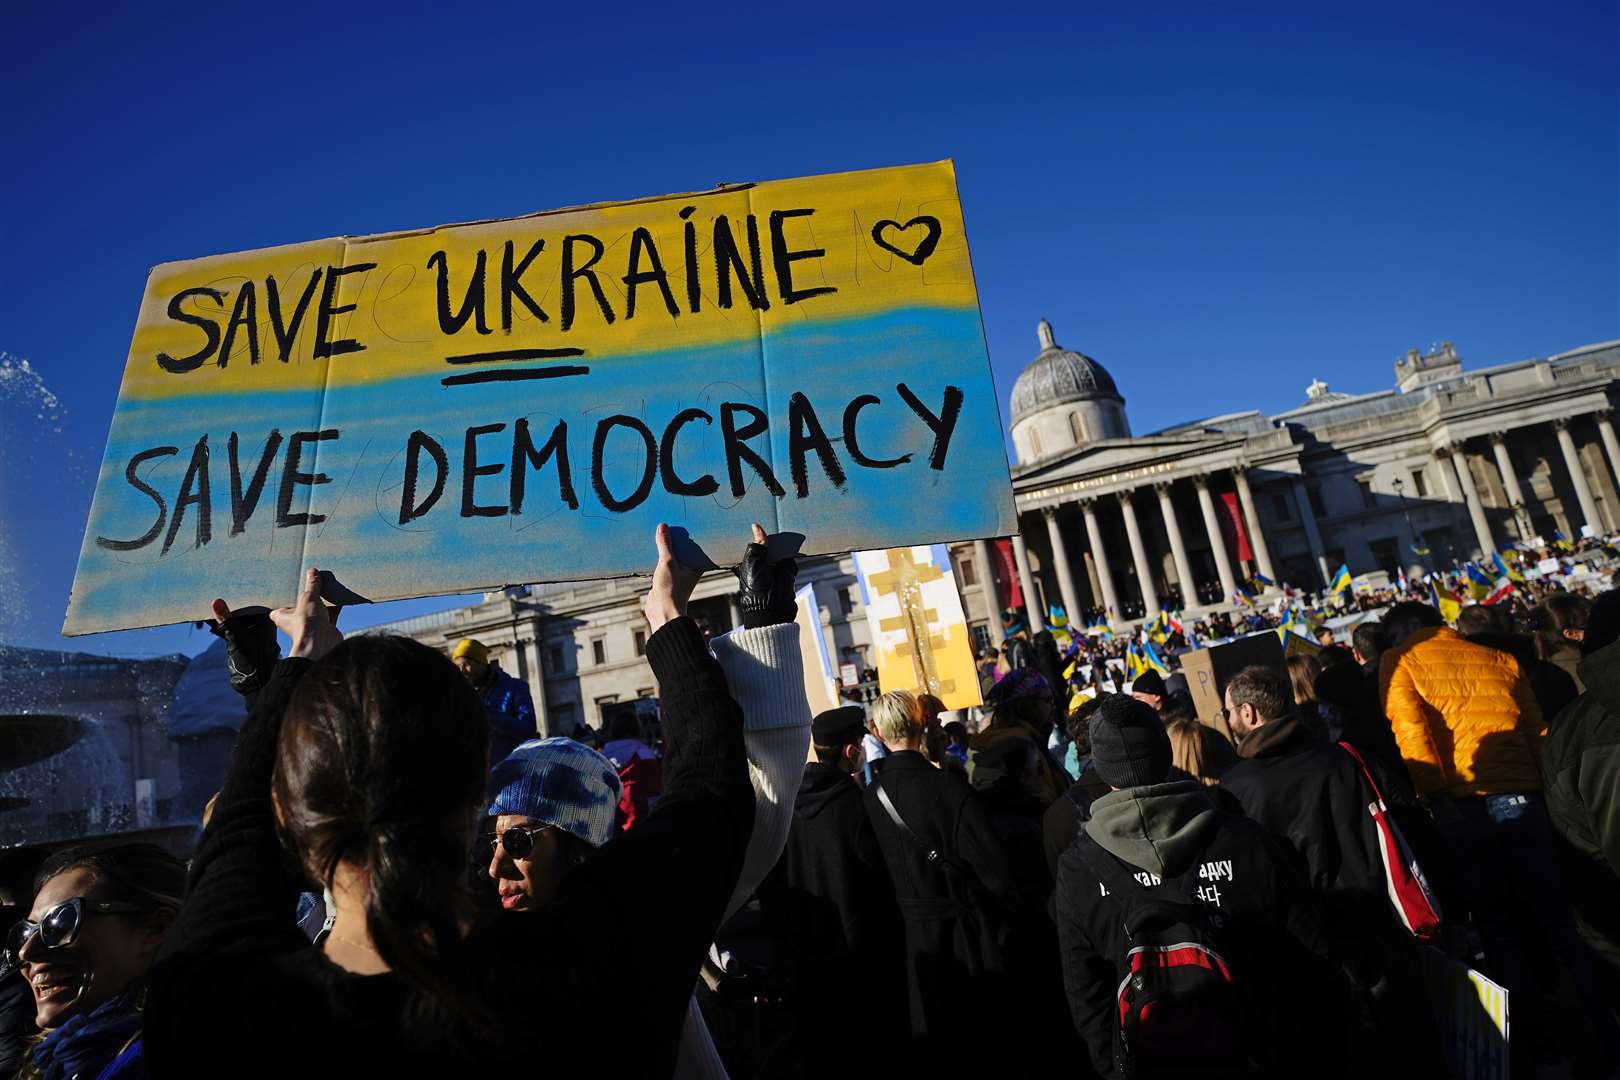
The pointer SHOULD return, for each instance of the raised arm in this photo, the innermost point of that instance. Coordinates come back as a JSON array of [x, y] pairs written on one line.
[[665, 883], [763, 666], [241, 894]]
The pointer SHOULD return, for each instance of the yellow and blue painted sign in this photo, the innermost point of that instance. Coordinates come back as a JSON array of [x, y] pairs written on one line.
[[523, 400]]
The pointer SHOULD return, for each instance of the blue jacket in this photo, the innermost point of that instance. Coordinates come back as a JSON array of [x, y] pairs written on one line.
[[510, 708]]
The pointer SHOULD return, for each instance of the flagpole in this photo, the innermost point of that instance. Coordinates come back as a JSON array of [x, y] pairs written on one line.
[[1411, 530]]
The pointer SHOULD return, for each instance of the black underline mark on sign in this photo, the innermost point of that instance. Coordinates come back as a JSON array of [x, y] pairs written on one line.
[[557, 371]]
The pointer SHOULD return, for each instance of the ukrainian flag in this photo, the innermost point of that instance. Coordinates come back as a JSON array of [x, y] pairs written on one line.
[[1158, 630], [1241, 597], [1479, 583], [1503, 570], [1134, 663], [1341, 580], [1444, 599], [1151, 659], [1260, 582]]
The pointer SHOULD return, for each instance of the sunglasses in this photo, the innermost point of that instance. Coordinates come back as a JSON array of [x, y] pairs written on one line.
[[57, 929], [518, 842]]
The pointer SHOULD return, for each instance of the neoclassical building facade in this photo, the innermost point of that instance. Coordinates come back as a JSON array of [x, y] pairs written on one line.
[[1450, 462]]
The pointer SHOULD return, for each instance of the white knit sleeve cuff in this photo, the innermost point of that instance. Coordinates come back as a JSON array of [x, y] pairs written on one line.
[[766, 674]]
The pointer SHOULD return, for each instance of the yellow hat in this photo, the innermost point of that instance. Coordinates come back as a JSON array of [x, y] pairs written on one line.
[[473, 650]]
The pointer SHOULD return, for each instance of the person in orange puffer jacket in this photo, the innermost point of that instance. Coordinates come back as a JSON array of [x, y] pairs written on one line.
[[1463, 714], [1470, 733]]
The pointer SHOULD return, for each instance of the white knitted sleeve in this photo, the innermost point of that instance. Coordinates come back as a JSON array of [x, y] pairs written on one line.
[[766, 675]]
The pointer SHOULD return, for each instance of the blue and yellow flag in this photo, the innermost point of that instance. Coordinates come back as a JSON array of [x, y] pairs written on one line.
[[1151, 659], [1341, 580], [1479, 582], [1446, 600]]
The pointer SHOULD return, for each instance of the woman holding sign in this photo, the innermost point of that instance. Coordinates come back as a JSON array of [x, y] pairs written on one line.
[[364, 767]]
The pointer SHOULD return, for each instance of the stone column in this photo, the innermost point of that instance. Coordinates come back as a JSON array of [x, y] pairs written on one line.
[[987, 585], [1605, 422], [1577, 475], [1313, 535], [1178, 546], [1099, 555], [1470, 494], [1510, 482], [1251, 519], [1026, 580], [1217, 542], [1060, 563], [1139, 555]]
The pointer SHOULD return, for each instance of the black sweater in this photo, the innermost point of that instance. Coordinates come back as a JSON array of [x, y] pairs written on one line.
[[596, 983]]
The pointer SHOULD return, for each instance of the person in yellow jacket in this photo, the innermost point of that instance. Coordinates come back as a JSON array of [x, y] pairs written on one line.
[[1470, 733], [1463, 714]]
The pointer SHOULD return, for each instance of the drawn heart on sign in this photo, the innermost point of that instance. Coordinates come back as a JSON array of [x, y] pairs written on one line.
[[918, 254]]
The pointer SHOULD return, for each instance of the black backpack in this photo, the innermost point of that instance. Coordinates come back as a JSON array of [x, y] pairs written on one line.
[[1179, 1003]]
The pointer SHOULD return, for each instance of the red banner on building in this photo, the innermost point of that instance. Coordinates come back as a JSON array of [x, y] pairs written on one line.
[[1237, 537], [1007, 576]]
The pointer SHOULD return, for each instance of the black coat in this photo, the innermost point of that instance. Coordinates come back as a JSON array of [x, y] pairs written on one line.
[[1067, 813], [16, 1023], [1580, 764], [1313, 794], [1272, 925], [830, 900], [954, 945]]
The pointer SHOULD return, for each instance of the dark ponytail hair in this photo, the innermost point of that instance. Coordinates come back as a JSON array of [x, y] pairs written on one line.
[[382, 764]]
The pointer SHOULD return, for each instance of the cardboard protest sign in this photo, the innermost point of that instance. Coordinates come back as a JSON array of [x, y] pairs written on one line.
[[523, 400], [919, 631], [1208, 670], [1472, 1015]]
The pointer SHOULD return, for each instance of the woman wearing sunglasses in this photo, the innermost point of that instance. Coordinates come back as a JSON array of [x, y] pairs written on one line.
[[365, 761], [555, 803], [97, 920], [555, 800]]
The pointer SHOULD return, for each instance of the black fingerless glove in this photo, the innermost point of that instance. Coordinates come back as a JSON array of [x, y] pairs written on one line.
[[250, 650], [766, 589]]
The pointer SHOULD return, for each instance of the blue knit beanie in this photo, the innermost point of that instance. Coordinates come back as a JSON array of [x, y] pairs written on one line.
[[559, 782]]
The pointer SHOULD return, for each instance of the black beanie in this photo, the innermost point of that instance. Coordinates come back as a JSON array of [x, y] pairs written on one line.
[[1149, 682], [1129, 746]]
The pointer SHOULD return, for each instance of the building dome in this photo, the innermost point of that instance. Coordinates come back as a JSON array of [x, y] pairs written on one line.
[[1058, 377]]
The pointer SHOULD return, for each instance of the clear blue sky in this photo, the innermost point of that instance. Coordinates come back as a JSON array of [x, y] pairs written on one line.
[[1217, 206]]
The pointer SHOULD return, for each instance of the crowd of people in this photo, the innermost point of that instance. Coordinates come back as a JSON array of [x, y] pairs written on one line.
[[397, 877]]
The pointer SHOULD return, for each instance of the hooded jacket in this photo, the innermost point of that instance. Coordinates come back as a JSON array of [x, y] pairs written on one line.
[[1463, 715], [1172, 836], [1581, 764]]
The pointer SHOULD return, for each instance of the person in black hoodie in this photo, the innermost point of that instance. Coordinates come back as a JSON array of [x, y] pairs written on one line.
[[830, 898], [1170, 835], [369, 757]]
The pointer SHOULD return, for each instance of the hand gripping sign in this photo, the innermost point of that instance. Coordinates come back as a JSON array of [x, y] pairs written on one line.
[[523, 400]]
